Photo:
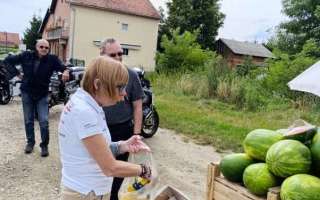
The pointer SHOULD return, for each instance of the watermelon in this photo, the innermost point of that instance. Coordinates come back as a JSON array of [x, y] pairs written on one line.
[[300, 187], [258, 179], [301, 133], [257, 142], [233, 165], [315, 153], [288, 157]]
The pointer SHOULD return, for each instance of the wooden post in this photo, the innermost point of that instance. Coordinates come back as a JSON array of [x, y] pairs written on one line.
[[213, 172], [273, 193]]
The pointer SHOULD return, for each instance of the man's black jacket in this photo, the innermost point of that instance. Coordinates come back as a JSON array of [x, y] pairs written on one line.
[[36, 71]]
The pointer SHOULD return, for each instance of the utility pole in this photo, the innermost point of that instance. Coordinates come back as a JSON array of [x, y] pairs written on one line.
[[6, 34]]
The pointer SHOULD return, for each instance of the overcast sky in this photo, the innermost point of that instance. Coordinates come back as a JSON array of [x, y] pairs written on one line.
[[246, 20]]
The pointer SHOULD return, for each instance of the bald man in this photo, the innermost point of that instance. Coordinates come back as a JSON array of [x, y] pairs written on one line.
[[37, 67]]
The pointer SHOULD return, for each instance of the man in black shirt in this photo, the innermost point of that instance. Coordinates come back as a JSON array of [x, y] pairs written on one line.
[[125, 118], [37, 67]]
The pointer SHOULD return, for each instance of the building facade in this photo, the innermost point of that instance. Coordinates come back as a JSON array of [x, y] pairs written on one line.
[[11, 40], [75, 29]]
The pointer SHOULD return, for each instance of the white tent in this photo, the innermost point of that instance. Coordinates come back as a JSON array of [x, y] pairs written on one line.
[[308, 81]]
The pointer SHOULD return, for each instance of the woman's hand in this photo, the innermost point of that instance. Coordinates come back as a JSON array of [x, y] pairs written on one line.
[[133, 145]]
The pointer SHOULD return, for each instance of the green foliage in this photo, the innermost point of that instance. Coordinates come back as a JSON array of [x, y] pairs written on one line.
[[193, 84], [181, 53], [210, 121], [254, 95], [285, 68], [217, 69], [163, 29], [6, 50], [31, 34], [191, 15], [303, 24], [245, 68]]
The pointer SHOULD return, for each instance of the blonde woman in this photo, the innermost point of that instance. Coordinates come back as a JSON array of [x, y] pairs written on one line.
[[87, 153]]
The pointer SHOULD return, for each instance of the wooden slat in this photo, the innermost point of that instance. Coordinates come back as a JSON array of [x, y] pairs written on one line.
[[274, 193], [238, 188], [213, 172], [228, 193], [218, 188]]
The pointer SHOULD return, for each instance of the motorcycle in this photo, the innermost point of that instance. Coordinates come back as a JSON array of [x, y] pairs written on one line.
[[5, 93], [150, 122], [7, 82], [59, 91]]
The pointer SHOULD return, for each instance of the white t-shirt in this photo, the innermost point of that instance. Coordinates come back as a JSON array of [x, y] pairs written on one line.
[[82, 117]]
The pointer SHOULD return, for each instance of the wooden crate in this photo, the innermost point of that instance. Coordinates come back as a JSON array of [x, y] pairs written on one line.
[[218, 188], [170, 193]]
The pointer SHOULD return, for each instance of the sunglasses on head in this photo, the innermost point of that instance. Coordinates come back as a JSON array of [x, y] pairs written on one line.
[[115, 54], [43, 47], [121, 88]]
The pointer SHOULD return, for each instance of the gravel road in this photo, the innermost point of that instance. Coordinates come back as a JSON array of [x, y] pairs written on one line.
[[180, 162]]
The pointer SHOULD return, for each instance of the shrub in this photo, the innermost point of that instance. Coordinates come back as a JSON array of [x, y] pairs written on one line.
[[254, 96], [216, 69], [237, 91], [285, 68], [181, 53]]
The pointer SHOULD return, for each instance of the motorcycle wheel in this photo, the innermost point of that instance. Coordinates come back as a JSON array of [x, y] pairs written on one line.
[[5, 97], [150, 125]]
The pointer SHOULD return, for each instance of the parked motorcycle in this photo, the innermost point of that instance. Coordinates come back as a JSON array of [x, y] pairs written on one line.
[[5, 94], [7, 82], [59, 91], [150, 123]]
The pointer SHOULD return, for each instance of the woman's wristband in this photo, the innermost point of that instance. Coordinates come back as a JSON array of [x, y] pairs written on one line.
[[115, 148]]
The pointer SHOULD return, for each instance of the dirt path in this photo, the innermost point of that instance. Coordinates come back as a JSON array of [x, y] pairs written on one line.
[[180, 162]]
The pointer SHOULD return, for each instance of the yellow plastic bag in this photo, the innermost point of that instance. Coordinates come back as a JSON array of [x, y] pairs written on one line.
[[137, 188]]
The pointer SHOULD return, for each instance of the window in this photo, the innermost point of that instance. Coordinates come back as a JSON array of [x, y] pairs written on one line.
[[125, 51], [125, 27]]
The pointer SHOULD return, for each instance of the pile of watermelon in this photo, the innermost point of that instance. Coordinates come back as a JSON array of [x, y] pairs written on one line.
[[275, 158]]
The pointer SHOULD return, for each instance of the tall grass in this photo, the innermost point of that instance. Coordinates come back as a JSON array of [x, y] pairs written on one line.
[[182, 107]]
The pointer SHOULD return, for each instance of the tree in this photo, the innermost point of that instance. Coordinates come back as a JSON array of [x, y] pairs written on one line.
[[163, 29], [31, 34], [192, 15], [303, 25], [181, 53]]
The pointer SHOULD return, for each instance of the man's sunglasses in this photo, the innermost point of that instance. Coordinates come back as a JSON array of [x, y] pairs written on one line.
[[43, 47], [119, 54], [121, 88]]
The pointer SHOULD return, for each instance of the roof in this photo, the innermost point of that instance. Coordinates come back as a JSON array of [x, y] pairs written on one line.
[[50, 10], [9, 38], [142, 8], [247, 48]]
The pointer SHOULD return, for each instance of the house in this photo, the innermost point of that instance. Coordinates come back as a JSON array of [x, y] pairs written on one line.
[[11, 40], [235, 52], [75, 28]]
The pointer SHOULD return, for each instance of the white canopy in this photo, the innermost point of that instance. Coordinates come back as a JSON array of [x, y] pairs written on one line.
[[308, 81]]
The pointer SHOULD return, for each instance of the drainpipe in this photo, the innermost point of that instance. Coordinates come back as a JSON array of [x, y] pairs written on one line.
[[73, 10]]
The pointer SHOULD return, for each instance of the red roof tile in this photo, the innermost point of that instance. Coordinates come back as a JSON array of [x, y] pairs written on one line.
[[9, 38], [134, 7]]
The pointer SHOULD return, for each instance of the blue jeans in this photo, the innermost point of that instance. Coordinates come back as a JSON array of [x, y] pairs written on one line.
[[29, 104]]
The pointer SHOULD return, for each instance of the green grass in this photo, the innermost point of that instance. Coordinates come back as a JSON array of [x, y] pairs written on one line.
[[216, 123]]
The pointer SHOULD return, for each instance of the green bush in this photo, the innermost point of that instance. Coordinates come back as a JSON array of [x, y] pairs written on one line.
[[253, 96], [181, 53], [285, 68], [237, 91], [217, 69]]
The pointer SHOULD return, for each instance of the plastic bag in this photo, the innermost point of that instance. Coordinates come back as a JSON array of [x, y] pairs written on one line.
[[137, 188]]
